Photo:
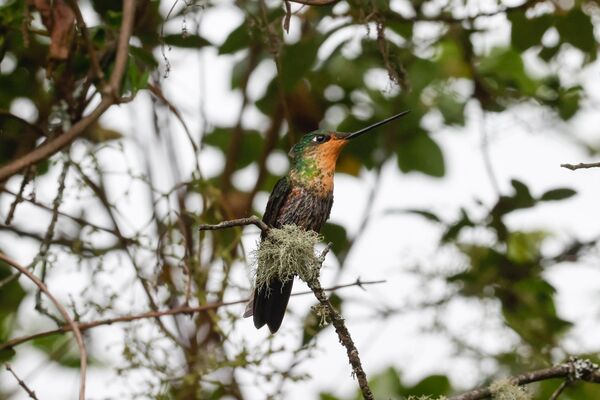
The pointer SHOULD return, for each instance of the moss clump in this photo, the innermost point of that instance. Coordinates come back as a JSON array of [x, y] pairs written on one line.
[[285, 253], [504, 389]]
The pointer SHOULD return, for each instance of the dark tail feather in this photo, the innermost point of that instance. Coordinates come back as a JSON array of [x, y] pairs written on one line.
[[270, 304]]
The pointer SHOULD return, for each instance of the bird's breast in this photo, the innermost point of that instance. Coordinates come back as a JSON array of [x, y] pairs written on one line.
[[306, 208]]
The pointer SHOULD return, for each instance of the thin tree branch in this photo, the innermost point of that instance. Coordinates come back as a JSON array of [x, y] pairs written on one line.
[[253, 220], [111, 96], [97, 71], [559, 389], [30, 392], [572, 370], [342, 332], [84, 326], [573, 167], [72, 324]]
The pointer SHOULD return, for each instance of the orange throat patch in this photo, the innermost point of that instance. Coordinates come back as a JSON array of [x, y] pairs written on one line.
[[326, 157]]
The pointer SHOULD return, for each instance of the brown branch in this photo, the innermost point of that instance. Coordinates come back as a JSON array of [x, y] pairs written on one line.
[[572, 370], [343, 334], [253, 220], [573, 167], [84, 326], [30, 392], [96, 70], [110, 97], [72, 324]]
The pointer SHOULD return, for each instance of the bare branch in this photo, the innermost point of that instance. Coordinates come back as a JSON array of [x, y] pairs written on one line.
[[84, 326], [30, 392], [97, 71], [342, 332], [573, 167], [253, 220], [574, 369], [72, 324]]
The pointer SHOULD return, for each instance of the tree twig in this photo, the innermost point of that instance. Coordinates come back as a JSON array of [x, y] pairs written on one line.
[[30, 392], [342, 332], [253, 220], [573, 167], [572, 370], [72, 324], [84, 326], [559, 390], [97, 71]]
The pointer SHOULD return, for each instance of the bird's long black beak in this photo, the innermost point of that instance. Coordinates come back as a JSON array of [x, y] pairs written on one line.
[[362, 131]]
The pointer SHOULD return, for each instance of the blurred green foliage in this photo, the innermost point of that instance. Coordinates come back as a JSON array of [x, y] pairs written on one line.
[[433, 74]]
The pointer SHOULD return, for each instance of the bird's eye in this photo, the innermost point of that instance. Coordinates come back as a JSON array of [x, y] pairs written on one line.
[[319, 139]]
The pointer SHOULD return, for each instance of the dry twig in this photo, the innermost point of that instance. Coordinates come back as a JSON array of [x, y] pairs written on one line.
[[72, 324], [30, 392]]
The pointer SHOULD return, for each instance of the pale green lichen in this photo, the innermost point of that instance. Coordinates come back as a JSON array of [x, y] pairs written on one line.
[[426, 397], [504, 389], [285, 253]]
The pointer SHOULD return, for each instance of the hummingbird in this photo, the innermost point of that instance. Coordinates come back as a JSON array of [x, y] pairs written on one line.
[[304, 198]]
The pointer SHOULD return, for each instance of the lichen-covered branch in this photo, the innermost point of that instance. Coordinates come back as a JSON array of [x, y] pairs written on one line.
[[342, 331], [573, 370]]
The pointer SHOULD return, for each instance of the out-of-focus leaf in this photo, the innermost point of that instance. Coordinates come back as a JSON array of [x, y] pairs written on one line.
[[423, 213], [296, 60], [387, 385], [421, 153], [433, 385], [60, 349], [528, 32], [97, 133], [558, 194], [348, 164], [238, 39], [252, 143], [143, 56], [328, 396], [336, 234], [577, 29], [523, 247], [186, 41], [452, 109], [504, 69], [454, 229], [6, 355]]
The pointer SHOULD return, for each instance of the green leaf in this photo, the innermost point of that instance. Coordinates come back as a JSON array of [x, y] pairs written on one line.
[[144, 56], [523, 247], [423, 213], [296, 61], [528, 32], [433, 385], [251, 143], [336, 234], [60, 349], [186, 41], [238, 39], [577, 29], [558, 194], [6, 354], [387, 385], [454, 229], [420, 153], [504, 69]]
